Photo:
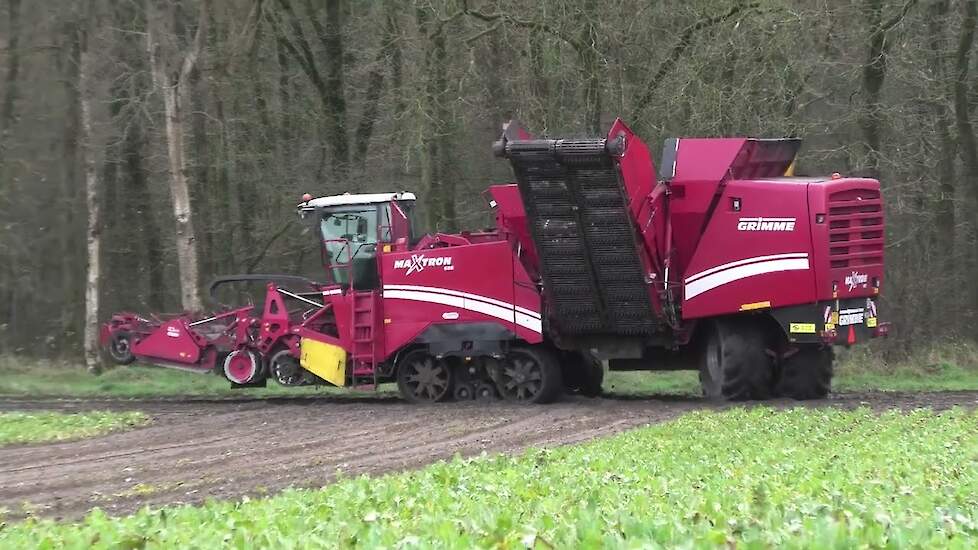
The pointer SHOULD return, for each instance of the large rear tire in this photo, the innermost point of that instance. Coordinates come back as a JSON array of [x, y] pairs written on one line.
[[806, 374], [734, 364], [583, 374], [530, 374]]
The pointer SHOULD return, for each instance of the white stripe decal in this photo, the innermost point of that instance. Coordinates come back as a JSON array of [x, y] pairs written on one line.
[[478, 306], [709, 282], [745, 261], [451, 292]]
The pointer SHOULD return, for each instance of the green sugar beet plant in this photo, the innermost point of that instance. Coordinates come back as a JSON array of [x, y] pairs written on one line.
[[754, 478], [36, 427]]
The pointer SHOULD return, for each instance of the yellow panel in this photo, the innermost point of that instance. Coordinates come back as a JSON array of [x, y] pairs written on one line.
[[755, 305], [802, 328], [871, 322], [324, 360]]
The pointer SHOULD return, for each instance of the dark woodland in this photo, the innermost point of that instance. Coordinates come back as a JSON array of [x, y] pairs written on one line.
[[171, 139]]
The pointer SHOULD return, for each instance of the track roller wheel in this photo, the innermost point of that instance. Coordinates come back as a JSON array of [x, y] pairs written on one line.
[[529, 375], [485, 392], [286, 370], [423, 379], [120, 348], [242, 367], [464, 392], [734, 365], [806, 374]]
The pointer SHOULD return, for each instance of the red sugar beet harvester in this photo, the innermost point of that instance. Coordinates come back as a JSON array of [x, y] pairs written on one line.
[[722, 262]]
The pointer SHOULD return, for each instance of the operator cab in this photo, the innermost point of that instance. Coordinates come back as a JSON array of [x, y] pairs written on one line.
[[351, 226]]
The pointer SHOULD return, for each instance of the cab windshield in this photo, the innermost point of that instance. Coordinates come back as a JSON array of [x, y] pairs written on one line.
[[349, 236]]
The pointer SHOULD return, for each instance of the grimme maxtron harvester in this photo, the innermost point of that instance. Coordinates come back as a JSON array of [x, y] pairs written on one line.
[[721, 264]]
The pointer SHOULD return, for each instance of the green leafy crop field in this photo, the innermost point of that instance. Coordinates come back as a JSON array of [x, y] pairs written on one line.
[[35, 427], [757, 478]]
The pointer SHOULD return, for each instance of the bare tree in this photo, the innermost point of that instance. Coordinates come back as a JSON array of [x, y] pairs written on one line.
[[966, 133], [874, 75], [328, 87], [13, 68], [93, 234], [171, 75]]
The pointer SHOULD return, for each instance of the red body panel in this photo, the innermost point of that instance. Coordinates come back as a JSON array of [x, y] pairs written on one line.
[[762, 253], [701, 165], [849, 242], [457, 284], [511, 219], [173, 341], [636, 166]]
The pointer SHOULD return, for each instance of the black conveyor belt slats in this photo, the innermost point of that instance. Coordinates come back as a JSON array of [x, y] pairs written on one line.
[[584, 236]]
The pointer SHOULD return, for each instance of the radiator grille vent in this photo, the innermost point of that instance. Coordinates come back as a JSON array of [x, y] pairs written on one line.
[[855, 220]]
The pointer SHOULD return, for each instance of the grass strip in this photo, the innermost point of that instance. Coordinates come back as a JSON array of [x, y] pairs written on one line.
[[36, 427]]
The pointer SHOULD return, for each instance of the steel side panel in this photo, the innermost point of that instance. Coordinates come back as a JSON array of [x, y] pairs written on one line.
[[171, 341], [470, 283], [637, 172], [636, 166], [733, 267]]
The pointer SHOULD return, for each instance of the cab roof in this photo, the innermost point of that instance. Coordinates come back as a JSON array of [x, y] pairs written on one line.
[[354, 199]]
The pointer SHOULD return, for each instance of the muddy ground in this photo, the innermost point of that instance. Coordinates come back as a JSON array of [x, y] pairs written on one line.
[[197, 449]]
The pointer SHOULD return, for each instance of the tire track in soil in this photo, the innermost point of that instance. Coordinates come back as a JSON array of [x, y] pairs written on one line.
[[227, 448]]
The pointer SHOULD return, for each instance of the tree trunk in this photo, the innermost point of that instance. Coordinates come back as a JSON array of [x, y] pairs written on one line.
[[330, 87], [397, 84], [591, 74], [375, 87], [336, 112], [430, 183], [440, 116], [199, 163], [966, 133], [149, 234], [93, 233], [7, 275], [174, 92], [944, 214], [69, 259], [186, 244], [874, 74], [13, 70]]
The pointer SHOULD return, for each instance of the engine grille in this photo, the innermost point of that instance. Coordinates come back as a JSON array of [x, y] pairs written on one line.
[[855, 228]]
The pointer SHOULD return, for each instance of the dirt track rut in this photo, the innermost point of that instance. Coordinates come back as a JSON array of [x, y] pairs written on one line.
[[199, 449]]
